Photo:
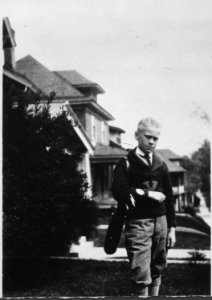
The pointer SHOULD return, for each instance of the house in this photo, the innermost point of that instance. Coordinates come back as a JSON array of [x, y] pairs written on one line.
[[178, 177], [11, 78], [71, 91], [15, 83], [115, 134]]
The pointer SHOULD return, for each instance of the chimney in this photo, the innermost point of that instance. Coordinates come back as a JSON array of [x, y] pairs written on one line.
[[9, 45]]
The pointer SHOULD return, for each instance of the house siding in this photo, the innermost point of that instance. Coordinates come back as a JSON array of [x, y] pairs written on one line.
[[115, 137], [81, 116], [90, 120]]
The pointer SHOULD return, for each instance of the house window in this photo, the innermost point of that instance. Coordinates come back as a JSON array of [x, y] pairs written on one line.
[[118, 139], [103, 132], [93, 129]]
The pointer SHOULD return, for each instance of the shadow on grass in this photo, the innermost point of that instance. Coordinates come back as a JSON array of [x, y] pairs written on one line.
[[52, 278], [195, 222]]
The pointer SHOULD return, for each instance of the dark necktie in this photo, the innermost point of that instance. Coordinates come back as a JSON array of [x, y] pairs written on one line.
[[148, 159]]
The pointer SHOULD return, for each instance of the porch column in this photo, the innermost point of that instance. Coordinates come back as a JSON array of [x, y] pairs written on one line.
[[88, 172]]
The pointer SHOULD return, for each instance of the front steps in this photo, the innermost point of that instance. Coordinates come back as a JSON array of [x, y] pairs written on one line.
[[79, 250]]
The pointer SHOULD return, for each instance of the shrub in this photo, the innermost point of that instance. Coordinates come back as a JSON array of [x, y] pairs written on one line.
[[196, 256], [45, 207]]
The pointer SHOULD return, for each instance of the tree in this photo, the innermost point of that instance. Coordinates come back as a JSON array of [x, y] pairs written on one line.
[[201, 157], [193, 182], [45, 207], [198, 171]]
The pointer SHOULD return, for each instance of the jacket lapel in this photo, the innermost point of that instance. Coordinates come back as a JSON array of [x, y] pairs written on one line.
[[157, 162]]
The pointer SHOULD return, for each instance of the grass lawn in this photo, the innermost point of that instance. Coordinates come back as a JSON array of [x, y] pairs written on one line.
[[53, 278], [194, 222]]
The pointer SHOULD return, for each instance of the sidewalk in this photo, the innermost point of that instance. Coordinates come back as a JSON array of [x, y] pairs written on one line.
[[174, 255], [86, 250], [204, 213]]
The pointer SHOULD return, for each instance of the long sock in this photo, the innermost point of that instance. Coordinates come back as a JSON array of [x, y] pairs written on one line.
[[140, 292], [154, 290]]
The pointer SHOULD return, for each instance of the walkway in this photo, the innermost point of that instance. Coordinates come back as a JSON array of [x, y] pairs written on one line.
[[86, 250], [174, 255], [204, 213]]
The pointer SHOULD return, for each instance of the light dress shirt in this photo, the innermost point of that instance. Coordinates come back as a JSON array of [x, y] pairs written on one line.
[[141, 155]]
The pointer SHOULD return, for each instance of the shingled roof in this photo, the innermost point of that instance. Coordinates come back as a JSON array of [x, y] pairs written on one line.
[[12, 74], [107, 153], [44, 79], [172, 167], [116, 129], [78, 80], [169, 154]]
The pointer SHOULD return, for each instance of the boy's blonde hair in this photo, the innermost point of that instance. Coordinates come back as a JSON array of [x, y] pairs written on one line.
[[148, 123]]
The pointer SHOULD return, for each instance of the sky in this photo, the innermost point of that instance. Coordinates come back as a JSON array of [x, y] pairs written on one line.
[[152, 58]]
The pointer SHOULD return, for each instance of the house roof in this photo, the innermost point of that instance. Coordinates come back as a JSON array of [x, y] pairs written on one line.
[[44, 79], [12, 74], [78, 80], [92, 105], [114, 144], [169, 154], [107, 153], [116, 129], [172, 167], [8, 34], [79, 129]]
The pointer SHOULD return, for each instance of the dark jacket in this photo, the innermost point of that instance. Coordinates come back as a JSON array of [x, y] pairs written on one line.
[[139, 175]]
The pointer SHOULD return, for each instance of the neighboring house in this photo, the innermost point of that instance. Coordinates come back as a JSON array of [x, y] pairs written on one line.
[[177, 174], [11, 78], [115, 134]]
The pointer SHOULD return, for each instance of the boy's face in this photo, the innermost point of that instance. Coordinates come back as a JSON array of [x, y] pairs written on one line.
[[147, 139]]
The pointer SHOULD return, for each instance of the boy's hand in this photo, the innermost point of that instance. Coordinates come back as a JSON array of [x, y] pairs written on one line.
[[158, 196], [171, 238]]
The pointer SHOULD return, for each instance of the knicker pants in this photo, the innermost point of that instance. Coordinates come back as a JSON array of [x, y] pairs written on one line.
[[146, 249]]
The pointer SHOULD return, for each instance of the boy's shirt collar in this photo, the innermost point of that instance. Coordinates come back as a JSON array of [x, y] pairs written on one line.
[[138, 151]]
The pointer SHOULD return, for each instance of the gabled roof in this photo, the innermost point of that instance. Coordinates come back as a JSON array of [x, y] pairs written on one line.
[[79, 129], [116, 129], [107, 153], [8, 34], [12, 74], [44, 79], [169, 154], [92, 105], [78, 80], [172, 167], [114, 144]]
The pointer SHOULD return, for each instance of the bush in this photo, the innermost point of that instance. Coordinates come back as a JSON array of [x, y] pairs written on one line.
[[197, 256], [45, 207], [190, 210]]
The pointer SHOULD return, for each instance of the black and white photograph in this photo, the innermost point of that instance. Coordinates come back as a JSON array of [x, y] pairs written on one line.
[[106, 134]]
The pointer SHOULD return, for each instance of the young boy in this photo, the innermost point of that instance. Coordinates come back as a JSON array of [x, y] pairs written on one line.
[[143, 183]]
